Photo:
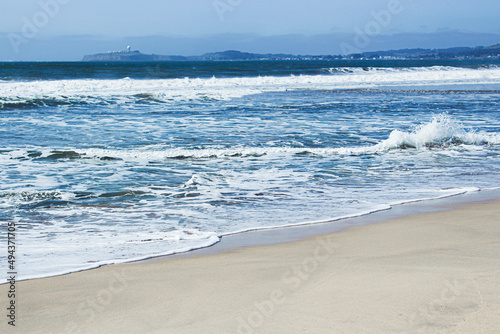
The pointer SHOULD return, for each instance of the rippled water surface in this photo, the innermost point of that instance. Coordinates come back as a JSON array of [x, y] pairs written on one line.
[[126, 162]]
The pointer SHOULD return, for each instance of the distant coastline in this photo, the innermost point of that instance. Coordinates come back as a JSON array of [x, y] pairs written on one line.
[[480, 52]]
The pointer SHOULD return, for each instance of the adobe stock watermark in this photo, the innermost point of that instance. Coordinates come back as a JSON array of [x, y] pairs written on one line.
[[293, 279], [93, 305], [444, 308], [31, 27], [224, 6], [381, 20]]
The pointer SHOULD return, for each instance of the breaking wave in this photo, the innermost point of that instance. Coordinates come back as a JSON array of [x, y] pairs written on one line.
[[441, 132], [123, 91]]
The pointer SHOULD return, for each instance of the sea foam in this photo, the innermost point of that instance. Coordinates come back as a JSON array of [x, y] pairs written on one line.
[[16, 94], [442, 131]]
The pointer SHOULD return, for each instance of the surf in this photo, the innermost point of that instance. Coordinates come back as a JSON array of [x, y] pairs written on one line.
[[132, 91]]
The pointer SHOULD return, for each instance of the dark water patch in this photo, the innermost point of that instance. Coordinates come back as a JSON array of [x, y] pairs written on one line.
[[122, 193], [34, 154], [64, 155], [306, 153], [184, 195], [183, 157], [106, 158], [84, 195], [50, 203]]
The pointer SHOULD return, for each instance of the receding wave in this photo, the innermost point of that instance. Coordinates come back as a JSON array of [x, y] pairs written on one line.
[[124, 91]]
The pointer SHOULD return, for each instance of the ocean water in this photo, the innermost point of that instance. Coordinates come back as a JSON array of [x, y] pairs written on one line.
[[105, 163]]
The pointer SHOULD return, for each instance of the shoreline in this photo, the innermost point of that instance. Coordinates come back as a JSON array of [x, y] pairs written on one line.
[[303, 231], [300, 231], [378, 276]]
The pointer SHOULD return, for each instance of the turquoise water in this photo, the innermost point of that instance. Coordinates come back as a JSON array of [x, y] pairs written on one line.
[[105, 163]]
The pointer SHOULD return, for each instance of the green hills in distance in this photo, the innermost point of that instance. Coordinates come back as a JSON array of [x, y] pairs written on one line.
[[480, 52]]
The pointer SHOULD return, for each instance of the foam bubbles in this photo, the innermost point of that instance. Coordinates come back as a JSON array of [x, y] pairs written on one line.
[[125, 91], [442, 131]]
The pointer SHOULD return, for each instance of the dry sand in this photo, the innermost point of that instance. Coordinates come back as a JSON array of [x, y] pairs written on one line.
[[426, 273]]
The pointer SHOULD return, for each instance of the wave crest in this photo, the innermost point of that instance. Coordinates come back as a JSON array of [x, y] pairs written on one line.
[[442, 131], [126, 91]]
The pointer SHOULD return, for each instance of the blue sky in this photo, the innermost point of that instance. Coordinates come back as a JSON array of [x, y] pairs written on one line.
[[33, 25]]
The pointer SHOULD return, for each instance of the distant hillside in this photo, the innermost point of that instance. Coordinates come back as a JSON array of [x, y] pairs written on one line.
[[237, 55], [479, 52], [130, 56]]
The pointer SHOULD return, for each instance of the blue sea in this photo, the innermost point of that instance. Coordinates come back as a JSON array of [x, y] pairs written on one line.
[[111, 162]]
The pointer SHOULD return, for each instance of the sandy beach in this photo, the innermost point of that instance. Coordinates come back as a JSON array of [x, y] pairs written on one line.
[[435, 272]]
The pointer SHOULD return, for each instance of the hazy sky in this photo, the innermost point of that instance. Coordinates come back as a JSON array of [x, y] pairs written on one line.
[[27, 20]]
